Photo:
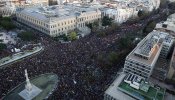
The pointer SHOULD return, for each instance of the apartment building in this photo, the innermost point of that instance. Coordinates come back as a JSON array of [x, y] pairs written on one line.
[[143, 58], [121, 10], [59, 19], [119, 15], [171, 71]]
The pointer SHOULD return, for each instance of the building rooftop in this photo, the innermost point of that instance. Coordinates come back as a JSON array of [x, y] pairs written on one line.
[[153, 93], [57, 12], [122, 90], [149, 48], [114, 92]]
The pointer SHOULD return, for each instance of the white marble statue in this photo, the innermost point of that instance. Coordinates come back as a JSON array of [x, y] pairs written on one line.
[[28, 85]]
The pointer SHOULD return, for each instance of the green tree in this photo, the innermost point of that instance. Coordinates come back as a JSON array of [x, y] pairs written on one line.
[[27, 36], [101, 33], [112, 58], [163, 3], [52, 2], [125, 43], [106, 21], [149, 27], [65, 38], [93, 26], [6, 23], [2, 46], [73, 36], [6, 19], [142, 14], [89, 25], [112, 28]]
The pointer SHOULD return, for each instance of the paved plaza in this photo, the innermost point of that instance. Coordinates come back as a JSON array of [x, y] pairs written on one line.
[[46, 82]]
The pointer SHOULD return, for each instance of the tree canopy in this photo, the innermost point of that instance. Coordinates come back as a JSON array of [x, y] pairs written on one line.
[[93, 26], [6, 23], [163, 3], [27, 36], [125, 43], [106, 21], [142, 14], [149, 27], [113, 57], [73, 36]]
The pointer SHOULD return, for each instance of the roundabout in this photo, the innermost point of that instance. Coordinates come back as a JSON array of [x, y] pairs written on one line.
[[38, 88]]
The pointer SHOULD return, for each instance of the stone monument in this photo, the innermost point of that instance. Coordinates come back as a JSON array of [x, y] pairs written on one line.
[[30, 90]]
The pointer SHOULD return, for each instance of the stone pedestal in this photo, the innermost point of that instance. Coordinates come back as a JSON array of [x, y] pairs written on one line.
[[29, 95]]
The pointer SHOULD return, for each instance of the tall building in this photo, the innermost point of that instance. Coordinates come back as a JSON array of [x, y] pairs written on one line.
[[143, 58], [171, 71], [58, 20]]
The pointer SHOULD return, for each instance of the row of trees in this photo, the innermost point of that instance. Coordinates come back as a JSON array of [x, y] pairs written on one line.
[[125, 45], [70, 37], [27, 36], [5, 22], [103, 27]]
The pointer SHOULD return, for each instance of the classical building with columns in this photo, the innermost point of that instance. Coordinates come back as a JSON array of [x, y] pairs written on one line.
[[59, 19]]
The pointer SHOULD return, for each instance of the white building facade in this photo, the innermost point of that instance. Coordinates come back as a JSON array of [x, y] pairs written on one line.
[[7, 8], [120, 15], [143, 58], [58, 20]]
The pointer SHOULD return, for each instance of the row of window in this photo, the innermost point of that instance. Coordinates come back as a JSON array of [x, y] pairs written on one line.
[[143, 74], [67, 28], [74, 21], [44, 30], [58, 24], [108, 97], [137, 64], [137, 68], [34, 20]]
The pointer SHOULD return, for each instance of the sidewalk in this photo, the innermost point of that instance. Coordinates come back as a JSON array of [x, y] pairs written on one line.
[[20, 55]]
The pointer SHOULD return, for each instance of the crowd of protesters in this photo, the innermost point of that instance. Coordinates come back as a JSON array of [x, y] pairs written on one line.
[[75, 63]]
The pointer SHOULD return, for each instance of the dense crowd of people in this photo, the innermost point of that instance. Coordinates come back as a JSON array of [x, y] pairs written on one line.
[[80, 76]]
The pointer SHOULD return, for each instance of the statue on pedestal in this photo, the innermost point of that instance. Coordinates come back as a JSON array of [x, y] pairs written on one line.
[[28, 86], [30, 91]]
